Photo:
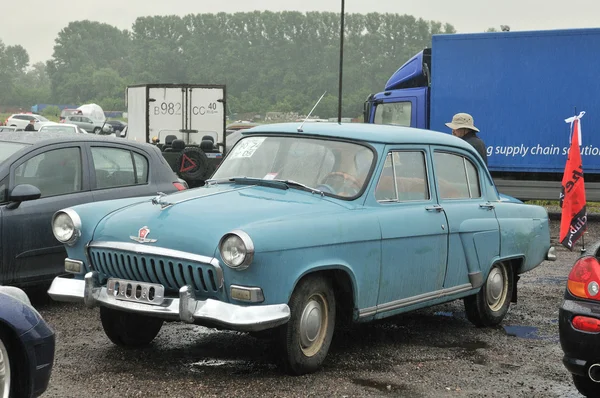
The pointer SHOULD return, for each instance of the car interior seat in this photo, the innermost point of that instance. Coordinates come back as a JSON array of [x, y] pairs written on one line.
[[169, 141]]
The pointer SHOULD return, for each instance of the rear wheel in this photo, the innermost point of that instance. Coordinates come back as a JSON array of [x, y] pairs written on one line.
[[97, 130], [129, 329], [490, 305], [586, 386], [305, 339]]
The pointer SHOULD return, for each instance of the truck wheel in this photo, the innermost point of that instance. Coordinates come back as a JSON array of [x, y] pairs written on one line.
[[490, 305], [192, 164], [305, 339], [127, 329]]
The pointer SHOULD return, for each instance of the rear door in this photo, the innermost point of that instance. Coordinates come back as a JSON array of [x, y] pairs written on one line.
[[119, 171], [59, 173], [474, 233]]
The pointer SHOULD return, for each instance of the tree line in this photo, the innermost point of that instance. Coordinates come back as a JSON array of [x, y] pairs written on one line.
[[270, 61]]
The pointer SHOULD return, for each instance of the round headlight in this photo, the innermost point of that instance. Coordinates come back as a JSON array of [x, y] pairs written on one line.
[[66, 226], [237, 250]]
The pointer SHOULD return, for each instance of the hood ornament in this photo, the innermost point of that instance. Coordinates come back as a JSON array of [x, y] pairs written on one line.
[[158, 200], [142, 236]]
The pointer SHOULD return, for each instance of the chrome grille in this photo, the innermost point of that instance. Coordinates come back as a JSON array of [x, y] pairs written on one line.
[[172, 273]]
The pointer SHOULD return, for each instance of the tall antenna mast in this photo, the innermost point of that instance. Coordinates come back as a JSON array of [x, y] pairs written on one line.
[[341, 63]]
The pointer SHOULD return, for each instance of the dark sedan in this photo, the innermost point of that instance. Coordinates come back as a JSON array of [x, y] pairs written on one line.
[[42, 173], [26, 346], [579, 323], [117, 125]]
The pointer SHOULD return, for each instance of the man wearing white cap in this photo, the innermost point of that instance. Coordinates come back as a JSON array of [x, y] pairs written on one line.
[[463, 127]]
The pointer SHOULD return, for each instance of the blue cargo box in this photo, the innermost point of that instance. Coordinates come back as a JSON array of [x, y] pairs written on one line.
[[520, 87]]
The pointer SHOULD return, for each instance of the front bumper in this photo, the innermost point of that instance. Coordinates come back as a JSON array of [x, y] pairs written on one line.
[[186, 307], [581, 349]]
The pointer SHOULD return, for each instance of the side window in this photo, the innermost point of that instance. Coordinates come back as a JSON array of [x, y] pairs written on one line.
[[404, 178], [457, 177], [395, 113], [86, 120], [118, 167], [55, 172], [141, 168]]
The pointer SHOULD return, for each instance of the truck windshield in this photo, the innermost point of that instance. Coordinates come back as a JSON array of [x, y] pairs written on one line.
[[394, 113], [333, 167]]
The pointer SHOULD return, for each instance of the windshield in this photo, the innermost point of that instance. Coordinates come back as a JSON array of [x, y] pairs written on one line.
[[41, 118], [8, 148], [57, 129], [333, 167]]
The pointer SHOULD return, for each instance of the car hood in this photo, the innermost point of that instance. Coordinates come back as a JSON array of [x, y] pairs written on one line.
[[199, 218]]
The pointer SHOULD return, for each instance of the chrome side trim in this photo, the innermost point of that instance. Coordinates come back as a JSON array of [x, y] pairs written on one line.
[[163, 252], [393, 305]]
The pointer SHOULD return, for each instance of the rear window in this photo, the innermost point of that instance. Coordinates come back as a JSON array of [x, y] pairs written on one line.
[[8, 148]]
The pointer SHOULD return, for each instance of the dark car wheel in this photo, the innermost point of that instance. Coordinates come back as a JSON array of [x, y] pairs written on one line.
[[97, 130], [5, 371], [586, 386], [490, 305], [305, 339], [193, 164], [129, 329]]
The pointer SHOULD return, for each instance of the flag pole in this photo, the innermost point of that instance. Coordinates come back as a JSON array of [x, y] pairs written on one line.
[[582, 250]]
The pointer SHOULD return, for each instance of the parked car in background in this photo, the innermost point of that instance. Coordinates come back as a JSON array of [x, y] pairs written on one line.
[[68, 112], [62, 128], [27, 346], [579, 323], [42, 173], [301, 228], [89, 125], [21, 120], [117, 125]]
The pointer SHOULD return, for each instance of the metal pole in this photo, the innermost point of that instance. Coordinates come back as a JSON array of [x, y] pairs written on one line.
[[341, 62]]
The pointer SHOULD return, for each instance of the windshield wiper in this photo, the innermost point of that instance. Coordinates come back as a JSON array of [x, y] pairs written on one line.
[[259, 181], [300, 185]]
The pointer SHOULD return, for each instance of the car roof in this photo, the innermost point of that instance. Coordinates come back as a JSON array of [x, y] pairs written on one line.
[[35, 138], [365, 132]]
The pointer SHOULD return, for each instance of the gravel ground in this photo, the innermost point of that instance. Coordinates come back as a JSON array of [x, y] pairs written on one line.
[[429, 353]]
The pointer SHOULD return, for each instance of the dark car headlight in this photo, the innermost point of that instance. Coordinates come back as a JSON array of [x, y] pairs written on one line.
[[237, 249], [66, 226]]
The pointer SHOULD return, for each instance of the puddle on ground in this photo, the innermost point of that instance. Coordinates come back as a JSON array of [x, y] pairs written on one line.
[[524, 332], [379, 385], [450, 314]]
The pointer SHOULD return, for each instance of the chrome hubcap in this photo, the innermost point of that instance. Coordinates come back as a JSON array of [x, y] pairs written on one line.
[[313, 325], [4, 372], [496, 288]]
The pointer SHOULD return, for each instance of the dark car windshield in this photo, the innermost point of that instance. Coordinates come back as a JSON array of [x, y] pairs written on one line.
[[8, 148], [334, 167]]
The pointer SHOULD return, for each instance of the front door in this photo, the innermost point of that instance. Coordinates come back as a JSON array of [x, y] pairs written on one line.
[[474, 240], [27, 239], [414, 233]]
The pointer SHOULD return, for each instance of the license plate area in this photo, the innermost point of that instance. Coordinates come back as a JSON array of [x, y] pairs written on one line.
[[138, 292]]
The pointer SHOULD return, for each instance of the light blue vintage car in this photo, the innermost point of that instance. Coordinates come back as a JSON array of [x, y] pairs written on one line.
[[301, 228]]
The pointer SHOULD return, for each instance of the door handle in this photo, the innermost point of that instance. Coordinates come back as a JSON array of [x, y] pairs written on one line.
[[434, 208], [487, 206]]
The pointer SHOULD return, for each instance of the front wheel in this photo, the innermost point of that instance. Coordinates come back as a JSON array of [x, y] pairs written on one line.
[[586, 386], [490, 305], [305, 339], [6, 377], [129, 329]]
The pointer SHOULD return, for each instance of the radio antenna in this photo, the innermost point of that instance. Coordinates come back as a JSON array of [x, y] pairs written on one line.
[[310, 113]]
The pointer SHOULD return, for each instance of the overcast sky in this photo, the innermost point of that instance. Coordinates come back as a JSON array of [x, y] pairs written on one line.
[[36, 23]]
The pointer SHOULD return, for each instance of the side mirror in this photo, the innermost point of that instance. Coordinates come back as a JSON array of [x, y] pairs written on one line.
[[22, 193]]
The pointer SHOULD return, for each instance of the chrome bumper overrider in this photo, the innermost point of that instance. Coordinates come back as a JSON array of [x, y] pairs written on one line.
[[186, 308]]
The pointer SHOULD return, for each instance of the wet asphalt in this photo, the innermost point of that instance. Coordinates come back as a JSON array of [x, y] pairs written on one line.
[[434, 352]]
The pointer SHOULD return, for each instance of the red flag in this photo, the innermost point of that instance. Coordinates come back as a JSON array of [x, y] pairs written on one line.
[[573, 222]]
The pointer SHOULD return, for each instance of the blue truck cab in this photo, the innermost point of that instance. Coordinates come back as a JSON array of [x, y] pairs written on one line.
[[519, 87]]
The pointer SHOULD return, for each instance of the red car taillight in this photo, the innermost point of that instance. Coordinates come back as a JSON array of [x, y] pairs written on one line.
[[179, 186], [584, 278], [586, 324]]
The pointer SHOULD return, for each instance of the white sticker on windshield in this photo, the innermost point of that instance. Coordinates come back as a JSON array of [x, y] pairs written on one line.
[[246, 148]]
